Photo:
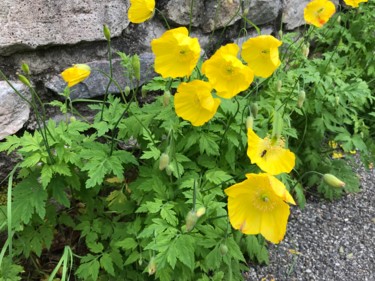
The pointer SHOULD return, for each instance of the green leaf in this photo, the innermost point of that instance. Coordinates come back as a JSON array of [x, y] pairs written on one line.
[[133, 257], [217, 176], [89, 268], [46, 175], [127, 244], [185, 247], [107, 263], [31, 160], [208, 145], [168, 214], [152, 153], [58, 191], [29, 198], [300, 196]]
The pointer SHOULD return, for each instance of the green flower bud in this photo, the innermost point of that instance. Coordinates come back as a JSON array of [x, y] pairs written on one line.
[[72, 119], [278, 124], [144, 92], [223, 249], [151, 266], [201, 211], [25, 68], [136, 64], [301, 99], [163, 161], [305, 50], [254, 109], [337, 100], [24, 80], [249, 122], [338, 19], [279, 86], [331, 180], [127, 90], [191, 220], [106, 32], [166, 98]]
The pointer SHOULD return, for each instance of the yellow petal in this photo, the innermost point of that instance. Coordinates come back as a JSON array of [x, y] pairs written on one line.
[[76, 74], [318, 12], [141, 10]]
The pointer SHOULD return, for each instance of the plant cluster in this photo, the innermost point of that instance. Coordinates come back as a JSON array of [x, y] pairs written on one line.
[[192, 185]]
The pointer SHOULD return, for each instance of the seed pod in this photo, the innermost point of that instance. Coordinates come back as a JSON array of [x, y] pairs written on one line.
[[163, 161], [223, 249], [106, 32], [191, 220], [249, 122], [333, 181], [301, 98]]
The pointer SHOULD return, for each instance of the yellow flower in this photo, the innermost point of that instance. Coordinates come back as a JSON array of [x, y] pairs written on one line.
[[270, 155], [257, 205], [354, 3], [194, 102], [337, 155], [318, 12], [176, 54], [262, 54], [76, 74], [227, 74], [141, 10]]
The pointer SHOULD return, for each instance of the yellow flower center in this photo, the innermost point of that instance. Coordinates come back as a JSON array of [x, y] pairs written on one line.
[[265, 52], [270, 145], [263, 200]]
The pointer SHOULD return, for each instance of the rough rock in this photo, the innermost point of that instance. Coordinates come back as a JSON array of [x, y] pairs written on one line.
[[293, 12], [221, 13], [266, 30], [178, 12], [14, 112], [28, 24], [95, 85], [262, 11]]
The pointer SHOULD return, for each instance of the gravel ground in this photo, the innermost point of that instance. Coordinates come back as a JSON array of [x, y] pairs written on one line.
[[333, 241]]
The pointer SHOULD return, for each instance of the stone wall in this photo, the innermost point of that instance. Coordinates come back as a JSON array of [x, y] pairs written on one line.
[[51, 35]]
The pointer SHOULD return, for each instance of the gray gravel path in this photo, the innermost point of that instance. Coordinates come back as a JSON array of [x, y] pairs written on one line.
[[335, 241]]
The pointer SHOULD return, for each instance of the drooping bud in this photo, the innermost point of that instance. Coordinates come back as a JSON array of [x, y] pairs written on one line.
[[254, 109], [24, 80], [279, 85], [281, 34], [337, 100], [151, 268], [277, 126], [191, 220], [333, 181], [201, 211], [25, 68], [166, 98], [106, 32], [339, 19], [223, 249], [127, 90], [72, 119], [301, 99], [136, 64], [163, 161], [305, 50], [249, 122]]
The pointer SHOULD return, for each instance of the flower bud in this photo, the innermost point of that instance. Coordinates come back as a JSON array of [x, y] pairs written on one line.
[[301, 99], [191, 220], [143, 92], [331, 180], [25, 68], [254, 109], [24, 80], [201, 211], [280, 34], [223, 249], [166, 98], [339, 19], [249, 122], [168, 170], [305, 50], [106, 32], [337, 100], [278, 124], [279, 86], [127, 90], [136, 64], [151, 266], [163, 161], [72, 119]]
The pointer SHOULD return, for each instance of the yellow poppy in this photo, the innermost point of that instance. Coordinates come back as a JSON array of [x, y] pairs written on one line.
[[194, 102], [262, 54], [76, 74], [354, 3], [176, 54], [227, 74], [258, 206], [269, 154], [318, 12], [141, 10]]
